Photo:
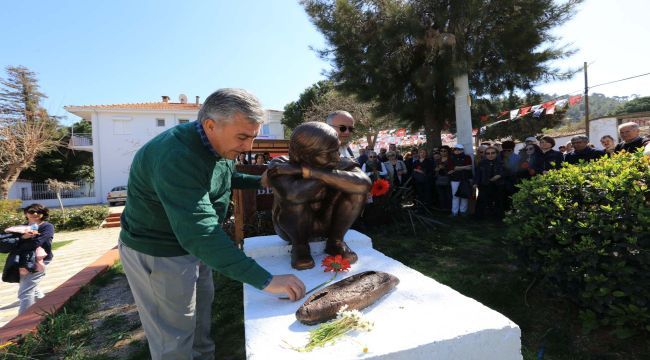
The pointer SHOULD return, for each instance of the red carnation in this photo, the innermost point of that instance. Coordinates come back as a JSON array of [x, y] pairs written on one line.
[[379, 187]]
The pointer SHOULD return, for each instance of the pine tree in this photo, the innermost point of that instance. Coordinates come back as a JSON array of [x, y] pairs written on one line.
[[406, 54]]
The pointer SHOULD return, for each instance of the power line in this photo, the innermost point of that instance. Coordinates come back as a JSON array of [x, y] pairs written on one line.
[[619, 80]]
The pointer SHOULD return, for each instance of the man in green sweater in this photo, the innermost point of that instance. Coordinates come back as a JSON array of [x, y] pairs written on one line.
[[171, 239]]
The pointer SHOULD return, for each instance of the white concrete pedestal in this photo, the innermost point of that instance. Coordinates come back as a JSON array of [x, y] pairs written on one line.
[[420, 319]]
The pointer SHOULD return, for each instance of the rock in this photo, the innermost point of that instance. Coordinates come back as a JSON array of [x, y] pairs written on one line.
[[357, 292]]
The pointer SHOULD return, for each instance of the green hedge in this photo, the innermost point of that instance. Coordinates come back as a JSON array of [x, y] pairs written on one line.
[[75, 218], [586, 229]]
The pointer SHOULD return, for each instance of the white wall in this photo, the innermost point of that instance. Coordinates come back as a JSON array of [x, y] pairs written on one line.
[[118, 135], [16, 190], [54, 203]]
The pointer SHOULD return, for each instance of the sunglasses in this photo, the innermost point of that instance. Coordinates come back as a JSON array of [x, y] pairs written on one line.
[[530, 149], [33, 212], [507, 150], [343, 128], [372, 156], [490, 153]]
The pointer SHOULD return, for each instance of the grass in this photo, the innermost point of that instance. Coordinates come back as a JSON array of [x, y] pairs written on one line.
[[55, 245]]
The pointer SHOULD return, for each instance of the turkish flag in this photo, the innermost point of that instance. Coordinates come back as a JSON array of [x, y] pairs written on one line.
[[575, 99], [401, 132], [524, 110], [549, 105]]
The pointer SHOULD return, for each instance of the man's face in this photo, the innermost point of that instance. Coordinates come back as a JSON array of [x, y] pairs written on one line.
[[346, 122], [579, 145], [392, 147], [629, 133], [230, 139], [362, 151]]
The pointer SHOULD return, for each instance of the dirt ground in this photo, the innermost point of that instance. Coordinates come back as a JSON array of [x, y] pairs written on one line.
[[117, 330]]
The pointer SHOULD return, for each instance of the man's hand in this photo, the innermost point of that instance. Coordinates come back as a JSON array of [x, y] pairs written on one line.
[[284, 169], [287, 284]]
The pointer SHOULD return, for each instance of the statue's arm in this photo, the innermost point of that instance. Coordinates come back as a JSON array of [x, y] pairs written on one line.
[[353, 181]]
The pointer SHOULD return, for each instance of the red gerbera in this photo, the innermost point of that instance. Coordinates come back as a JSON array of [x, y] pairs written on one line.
[[379, 187], [335, 263]]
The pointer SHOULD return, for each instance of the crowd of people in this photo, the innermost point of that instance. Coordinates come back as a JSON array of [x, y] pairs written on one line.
[[447, 179]]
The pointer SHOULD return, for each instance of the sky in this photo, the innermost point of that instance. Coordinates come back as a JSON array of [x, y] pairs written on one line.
[[119, 51]]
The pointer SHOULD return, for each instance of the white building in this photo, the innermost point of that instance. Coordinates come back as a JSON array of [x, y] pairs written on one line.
[[119, 130]]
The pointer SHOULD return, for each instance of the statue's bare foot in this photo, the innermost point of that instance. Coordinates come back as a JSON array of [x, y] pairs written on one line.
[[341, 248], [301, 257]]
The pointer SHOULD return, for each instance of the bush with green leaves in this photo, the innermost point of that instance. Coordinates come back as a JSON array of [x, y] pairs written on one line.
[[73, 219], [586, 229]]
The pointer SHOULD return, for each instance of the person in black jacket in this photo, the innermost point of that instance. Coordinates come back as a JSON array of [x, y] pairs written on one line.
[[581, 151], [40, 237], [531, 163], [553, 159], [489, 178], [629, 133]]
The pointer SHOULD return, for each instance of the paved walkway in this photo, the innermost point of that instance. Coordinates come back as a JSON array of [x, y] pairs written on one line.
[[86, 247]]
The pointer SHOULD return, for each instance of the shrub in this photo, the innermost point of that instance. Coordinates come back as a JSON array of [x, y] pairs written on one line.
[[586, 229], [78, 218], [10, 206], [75, 218]]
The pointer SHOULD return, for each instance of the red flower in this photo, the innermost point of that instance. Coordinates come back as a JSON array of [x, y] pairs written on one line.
[[335, 263], [379, 187]]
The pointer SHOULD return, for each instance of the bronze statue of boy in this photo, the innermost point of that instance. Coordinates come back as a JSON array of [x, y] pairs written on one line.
[[316, 193]]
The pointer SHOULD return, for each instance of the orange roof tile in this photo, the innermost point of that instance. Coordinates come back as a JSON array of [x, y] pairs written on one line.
[[142, 106]]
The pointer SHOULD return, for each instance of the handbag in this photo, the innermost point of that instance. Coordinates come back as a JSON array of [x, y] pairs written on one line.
[[443, 180], [464, 190]]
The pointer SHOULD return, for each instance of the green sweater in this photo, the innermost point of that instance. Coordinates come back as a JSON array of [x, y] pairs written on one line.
[[178, 195]]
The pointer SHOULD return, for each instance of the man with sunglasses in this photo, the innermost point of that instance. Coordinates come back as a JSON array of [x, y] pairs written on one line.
[[343, 123]]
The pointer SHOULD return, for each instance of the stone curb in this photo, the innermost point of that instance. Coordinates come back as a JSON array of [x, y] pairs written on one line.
[[54, 300]]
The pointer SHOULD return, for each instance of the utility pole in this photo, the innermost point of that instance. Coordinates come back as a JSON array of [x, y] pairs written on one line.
[[586, 101]]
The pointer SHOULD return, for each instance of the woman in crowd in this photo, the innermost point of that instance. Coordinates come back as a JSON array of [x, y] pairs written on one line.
[[459, 168], [40, 236], [396, 170], [259, 159], [552, 159], [374, 168], [531, 162], [241, 159], [489, 178], [608, 144]]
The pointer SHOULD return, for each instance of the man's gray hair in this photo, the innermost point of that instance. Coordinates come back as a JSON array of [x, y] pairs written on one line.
[[223, 104], [333, 114], [631, 124], [580, 138]]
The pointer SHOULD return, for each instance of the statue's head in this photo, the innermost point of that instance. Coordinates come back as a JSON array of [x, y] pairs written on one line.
[[315, 144]]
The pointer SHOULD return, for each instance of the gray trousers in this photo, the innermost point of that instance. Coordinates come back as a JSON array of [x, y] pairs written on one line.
[[28, 291], [174, 299]]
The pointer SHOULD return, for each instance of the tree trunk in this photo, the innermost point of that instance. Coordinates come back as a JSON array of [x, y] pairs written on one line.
[[432, 129], [371, 139], [463, 113], [8, 179]]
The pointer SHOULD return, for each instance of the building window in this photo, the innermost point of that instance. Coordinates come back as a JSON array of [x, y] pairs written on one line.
[[121, 126], [160, 122], [183, 121], [265, 129]]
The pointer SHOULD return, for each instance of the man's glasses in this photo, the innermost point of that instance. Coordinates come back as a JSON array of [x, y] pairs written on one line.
[[490, 153], [33, 212], [530, 149], [343, 128], [372, 156]]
